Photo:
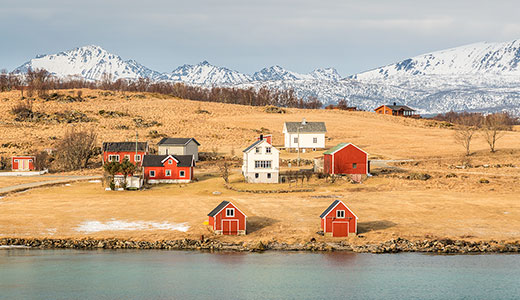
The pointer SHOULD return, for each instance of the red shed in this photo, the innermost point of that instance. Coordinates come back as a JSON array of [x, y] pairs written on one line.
[[345, 159], [227, 219], [23, 163], [338, 220]]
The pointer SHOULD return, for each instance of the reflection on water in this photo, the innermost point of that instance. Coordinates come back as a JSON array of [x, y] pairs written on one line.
[[132, 274]]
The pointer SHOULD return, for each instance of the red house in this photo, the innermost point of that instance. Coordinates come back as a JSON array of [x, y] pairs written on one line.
[[168, 168], [23, 163], [338, 220], [118, 151], [227, 219], [345, 159]]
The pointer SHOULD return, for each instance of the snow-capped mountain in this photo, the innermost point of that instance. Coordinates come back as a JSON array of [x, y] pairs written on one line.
[[208, 75], [276, 73], [89, 62], [498, 59]]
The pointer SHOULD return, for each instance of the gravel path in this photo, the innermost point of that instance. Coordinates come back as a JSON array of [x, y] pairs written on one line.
[[31, 185]]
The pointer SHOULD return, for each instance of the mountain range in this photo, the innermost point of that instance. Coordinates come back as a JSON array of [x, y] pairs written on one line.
[[478, 77]]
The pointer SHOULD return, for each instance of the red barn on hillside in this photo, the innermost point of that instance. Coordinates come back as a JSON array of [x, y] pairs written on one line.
[[345, 159], [168, 168], [338, 220], [118, 151], [227, 219], [23, 163]]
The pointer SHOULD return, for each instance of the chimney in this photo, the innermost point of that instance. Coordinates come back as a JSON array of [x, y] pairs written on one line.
[[395, 103], [304, 122], [261, 137]]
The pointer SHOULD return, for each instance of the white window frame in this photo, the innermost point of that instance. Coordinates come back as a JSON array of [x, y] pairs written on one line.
[[111, 156], [152, 173], [137, 157], [127, 156], [16, 161], [268, 150], [295, 141], [315, 140], [257, 175], [168, 172], [340, 214], [230, 212], [182, 173], [263, 164], [258, 150], [170, 161], [268, 175]]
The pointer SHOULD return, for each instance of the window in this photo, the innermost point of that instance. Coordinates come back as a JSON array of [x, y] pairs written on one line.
[[30, 160], [170, 161], [168, 172], [268, 150], [268, 175], [257, 175], [315, 140], [262, 164], [182, 173], [152, 173], [230, 212], [127, 157], [257, 150], [137, 157], [295, 140], [16, 160], [340, 214], [113, 158], [354, 166]]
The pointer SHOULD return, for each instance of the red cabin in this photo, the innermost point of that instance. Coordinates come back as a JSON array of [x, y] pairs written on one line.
[[168, 168], [23, 163], [227, 219], [338, 220], [345, 159], [118, 151]]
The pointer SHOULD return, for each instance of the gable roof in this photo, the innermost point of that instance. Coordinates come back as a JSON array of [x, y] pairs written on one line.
[[341, 146], [176, 141], [306, 127], [396, 107], [221, 206], [150, 160], [258, 142], [124, 146], [332, 206]]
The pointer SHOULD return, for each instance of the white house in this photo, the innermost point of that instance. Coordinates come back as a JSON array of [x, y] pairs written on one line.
[[304, 135], [261, 163], [179, 146]]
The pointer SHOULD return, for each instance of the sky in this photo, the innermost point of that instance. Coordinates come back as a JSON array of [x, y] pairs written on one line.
[[248, 35]]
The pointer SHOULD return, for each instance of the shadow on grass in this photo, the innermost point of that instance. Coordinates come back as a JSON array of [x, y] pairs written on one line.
[[364, 227], [256, 223]]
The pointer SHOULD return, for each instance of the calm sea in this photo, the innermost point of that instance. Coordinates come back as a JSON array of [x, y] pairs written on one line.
[[70, 274]]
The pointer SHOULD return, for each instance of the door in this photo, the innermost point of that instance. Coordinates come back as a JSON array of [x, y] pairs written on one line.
[[230, 227], [25, 164], [340, 229]]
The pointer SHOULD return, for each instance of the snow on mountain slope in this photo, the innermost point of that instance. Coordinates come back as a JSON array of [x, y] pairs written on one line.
[[326, 74], [475, 59], [206, 74], [274, 73], [89, 62]]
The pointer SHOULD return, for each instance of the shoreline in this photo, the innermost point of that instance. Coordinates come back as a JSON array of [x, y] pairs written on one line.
[[398, 245]]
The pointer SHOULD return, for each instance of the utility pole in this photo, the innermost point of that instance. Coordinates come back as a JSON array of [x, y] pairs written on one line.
[[298, 132]]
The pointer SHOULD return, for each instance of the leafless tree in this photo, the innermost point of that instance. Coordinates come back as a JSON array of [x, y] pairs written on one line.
[[224, 169], [468, 125], [494, 128], [76, 148]]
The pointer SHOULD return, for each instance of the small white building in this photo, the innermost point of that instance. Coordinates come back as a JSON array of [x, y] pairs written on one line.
[[179, 146], [304, 135], [261, 163]]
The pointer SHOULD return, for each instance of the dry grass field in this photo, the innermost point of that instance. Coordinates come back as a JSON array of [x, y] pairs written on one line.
[[479, 201]]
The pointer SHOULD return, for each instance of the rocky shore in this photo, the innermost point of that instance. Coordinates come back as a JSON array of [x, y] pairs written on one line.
[[442, 246]]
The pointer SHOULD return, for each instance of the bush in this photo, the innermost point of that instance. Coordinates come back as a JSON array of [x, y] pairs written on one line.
[[274, 110], [76, 149], [483, 180]]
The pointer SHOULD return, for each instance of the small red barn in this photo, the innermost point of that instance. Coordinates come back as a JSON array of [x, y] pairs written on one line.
[[118, 151], [338, 220], [168, 168], [345, 159], [23, 163], [227, 219]]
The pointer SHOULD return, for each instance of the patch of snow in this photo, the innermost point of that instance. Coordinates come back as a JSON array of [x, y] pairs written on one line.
[[95, 181], [117, 225], [14, 247]]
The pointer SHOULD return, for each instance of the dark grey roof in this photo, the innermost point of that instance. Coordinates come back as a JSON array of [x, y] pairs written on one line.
[[156, 160], [176, 141], [252, 145], [124, 146], [218, 208], [326, 212], [399, 107], [307, 127]]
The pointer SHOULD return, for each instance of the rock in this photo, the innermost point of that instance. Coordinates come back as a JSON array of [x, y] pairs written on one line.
[[216, 193]]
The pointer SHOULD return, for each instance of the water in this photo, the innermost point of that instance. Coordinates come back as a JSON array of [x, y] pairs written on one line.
[[71, 274]]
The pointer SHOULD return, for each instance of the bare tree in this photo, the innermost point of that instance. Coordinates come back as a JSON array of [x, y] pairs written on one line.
[[224, 170], [466, 130], [76, 148], [494, 128]]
